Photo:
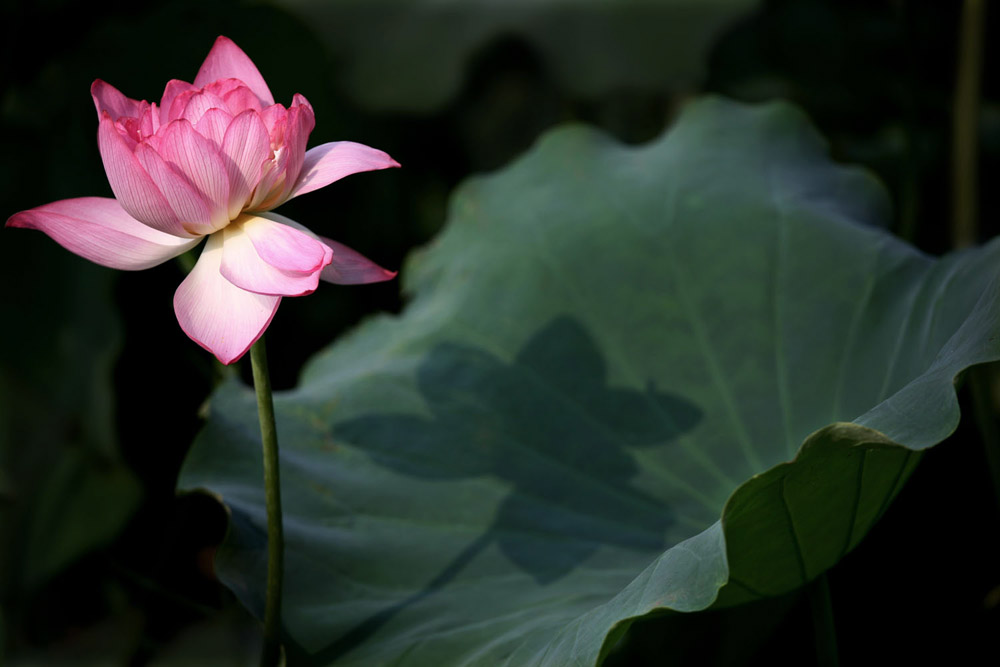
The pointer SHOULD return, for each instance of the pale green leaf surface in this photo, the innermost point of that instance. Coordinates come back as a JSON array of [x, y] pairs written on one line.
[[586, 412]]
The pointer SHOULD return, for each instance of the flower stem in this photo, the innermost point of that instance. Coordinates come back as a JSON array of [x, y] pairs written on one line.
[[271, 653], [965, 124], [822, 614]]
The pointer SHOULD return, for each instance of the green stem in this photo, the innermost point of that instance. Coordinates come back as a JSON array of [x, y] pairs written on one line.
[[909, 164], [271, 653], [822, 614], [965, 128]]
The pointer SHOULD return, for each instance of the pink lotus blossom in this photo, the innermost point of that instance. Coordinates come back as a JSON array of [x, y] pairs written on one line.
[[213, 159]]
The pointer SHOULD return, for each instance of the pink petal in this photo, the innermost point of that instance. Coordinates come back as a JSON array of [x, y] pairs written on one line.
[[274, 119], [287, 247], [241, 99], [197, 104], [330, 162], [213, 125], [222, 318], [349, 267], [265, 195], [223, 87], [173, 89], [110, 99], [245, 147], [299, 124], [243, 265], [99, 229], [227, 61], [185, 200], [132, 186], [149, 120], [179, 104], [198, 159]]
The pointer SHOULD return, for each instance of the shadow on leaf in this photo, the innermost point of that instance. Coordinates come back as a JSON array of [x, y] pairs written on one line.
[[550, 426]]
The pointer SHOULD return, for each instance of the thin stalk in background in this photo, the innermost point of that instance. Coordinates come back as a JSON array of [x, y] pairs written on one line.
[[965, 125], [909, 168], [965, 155], [983, 381], [823, 627], [271, 652]]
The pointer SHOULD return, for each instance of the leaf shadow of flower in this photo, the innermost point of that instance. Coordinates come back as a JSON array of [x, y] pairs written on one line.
[[548, 424]]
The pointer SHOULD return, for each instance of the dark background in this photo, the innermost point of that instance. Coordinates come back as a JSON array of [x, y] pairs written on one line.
[[100, 562]]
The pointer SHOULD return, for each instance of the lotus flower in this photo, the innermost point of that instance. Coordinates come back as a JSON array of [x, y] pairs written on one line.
[[212, 159]]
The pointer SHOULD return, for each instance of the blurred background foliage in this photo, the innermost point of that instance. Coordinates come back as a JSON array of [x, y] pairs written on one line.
[[100, 562]]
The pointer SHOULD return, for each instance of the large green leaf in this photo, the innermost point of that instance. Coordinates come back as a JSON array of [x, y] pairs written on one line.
[[411, 55], [588, 410]]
